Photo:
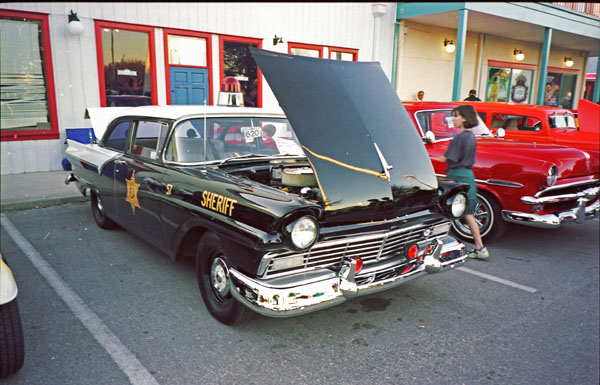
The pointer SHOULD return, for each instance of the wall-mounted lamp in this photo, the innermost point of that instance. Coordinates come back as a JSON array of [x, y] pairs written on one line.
[[519, 55], [568, 61], [277, 40], [75, 26], [449, 45]]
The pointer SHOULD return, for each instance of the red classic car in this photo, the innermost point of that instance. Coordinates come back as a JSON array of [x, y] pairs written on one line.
[[540, 185], [540, 124]]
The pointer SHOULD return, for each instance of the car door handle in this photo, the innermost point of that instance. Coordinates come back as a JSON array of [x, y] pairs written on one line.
[[118, 161]]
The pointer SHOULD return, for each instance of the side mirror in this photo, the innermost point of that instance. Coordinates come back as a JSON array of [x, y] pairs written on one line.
[[429, 137], [500, 133]]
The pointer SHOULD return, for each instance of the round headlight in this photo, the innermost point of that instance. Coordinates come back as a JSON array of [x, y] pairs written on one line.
[[304, 232], [552, 176], [458, 205]]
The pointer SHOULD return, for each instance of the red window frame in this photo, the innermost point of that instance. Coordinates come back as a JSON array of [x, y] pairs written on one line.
[[248, 40], [187, 33], [353, 51], [306, 46], [52, 133], [99, 24]]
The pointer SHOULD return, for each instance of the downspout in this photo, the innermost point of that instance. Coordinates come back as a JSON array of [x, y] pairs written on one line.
[[541, 92], [461, 35], [379, 9], [399, 57], [395, 53]]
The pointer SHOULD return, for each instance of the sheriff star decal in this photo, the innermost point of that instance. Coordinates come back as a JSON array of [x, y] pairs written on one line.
[[132, 191]]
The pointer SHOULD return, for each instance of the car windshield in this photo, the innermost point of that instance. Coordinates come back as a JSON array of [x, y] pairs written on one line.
[[440, 123], [231, 138], [562, 121]]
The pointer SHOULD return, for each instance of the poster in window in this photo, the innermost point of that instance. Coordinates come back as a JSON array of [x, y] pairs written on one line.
[[497, 85], [521, 86], [552, 88]]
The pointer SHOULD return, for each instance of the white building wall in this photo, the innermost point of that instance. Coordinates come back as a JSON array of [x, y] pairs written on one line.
[[75, 65]]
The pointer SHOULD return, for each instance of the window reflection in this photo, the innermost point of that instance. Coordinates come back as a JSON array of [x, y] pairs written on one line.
[[127, 75], [24, 99]]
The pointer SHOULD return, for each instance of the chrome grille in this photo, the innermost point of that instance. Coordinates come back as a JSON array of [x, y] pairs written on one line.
[[570, 188], [370, 248]]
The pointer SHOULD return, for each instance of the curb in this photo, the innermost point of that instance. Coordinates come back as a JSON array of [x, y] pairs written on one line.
[[41, 203]]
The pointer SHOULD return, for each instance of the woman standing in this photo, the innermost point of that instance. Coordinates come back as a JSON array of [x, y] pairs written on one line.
[[460, 157]]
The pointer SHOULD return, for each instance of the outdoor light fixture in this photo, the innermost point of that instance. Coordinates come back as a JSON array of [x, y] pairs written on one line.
[[519, 55], [449, 45], [568, 61], [277, 39], [75, 26]]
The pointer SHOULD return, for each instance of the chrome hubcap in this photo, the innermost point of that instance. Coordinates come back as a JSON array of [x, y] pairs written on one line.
[[482, 216], [218, 277], [99, 204]]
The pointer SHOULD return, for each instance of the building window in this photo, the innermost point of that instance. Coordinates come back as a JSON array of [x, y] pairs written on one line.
[[188, 68], [27, 99], [305, 50], [237, 62], [345, 54], [509, 82], [560, 88], [126, 65]]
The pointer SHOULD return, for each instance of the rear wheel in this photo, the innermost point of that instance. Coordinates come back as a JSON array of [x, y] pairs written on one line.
[[488, 215], [99, 214], [213, 279], [12, 352]]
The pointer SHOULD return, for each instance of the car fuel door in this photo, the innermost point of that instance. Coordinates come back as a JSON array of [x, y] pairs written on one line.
[[138, 182]]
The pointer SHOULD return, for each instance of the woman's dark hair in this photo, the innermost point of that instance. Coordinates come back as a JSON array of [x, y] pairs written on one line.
[[269, 129], [470, 115]]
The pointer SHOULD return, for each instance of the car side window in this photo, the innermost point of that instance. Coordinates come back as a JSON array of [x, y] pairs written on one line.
[[148, 137], [117, 139], [438, 122], [521, 123]]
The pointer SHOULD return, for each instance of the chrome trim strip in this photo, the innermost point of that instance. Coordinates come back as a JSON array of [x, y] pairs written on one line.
[[503, 183], [496, 182]]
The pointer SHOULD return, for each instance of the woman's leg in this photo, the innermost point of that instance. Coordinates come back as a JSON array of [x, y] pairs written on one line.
[[474, 227]]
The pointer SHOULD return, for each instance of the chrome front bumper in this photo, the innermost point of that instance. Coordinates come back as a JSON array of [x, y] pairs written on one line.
[[311, 291], [577, 214]]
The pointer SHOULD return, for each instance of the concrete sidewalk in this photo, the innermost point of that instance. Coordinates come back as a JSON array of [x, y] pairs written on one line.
[[37, 189]]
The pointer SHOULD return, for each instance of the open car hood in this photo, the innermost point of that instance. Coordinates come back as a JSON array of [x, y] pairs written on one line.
[[361, 142]]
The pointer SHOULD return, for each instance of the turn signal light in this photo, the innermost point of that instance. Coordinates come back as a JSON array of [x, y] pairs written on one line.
[[359, 265], [413, 250]]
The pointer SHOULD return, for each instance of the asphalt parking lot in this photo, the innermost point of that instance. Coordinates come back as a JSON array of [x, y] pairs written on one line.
[[103, 307]]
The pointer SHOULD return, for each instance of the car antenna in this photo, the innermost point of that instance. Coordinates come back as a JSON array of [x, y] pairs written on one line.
[[204, 131]]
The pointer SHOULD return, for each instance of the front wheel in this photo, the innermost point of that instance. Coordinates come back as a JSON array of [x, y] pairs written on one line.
[[488, 215], [12, 352], [100, 217], [213, 279]]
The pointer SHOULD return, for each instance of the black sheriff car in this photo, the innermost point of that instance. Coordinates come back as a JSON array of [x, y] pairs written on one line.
[[284, 213]]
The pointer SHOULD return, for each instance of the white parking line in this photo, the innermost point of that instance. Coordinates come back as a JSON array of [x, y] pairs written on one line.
[[123, 357], [497, 279]]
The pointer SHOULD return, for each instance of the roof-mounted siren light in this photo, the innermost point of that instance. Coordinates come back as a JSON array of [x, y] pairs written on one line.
[[231, 93]]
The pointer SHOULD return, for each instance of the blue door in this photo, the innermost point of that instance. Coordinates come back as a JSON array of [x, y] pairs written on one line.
[[189, 85]]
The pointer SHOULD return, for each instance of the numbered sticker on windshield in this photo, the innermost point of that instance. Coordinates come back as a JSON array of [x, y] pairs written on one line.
[[449, 122], [251, 133]]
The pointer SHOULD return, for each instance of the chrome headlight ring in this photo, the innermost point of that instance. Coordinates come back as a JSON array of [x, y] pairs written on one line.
[[457, 204], [303, 232], [552, 176]]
